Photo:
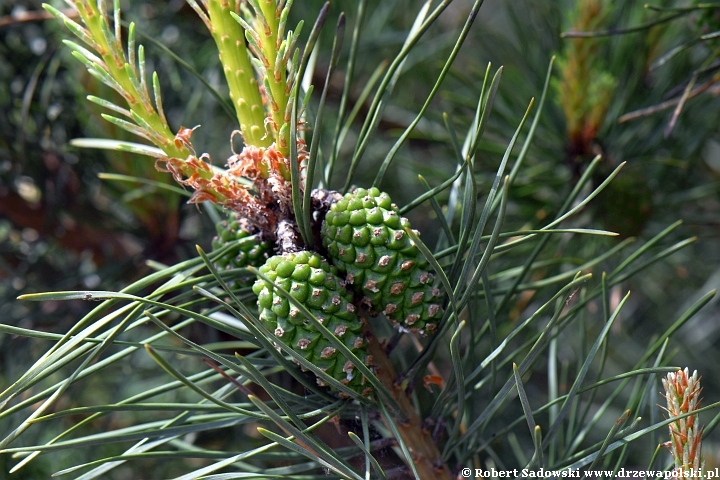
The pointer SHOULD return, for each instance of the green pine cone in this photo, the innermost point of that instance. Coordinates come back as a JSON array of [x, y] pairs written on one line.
[[365, 237], [244, 254], [312, 281]]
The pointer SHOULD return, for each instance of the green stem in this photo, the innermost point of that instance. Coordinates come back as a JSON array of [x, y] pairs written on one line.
[[267, 28], [122, 72], [244, 92]]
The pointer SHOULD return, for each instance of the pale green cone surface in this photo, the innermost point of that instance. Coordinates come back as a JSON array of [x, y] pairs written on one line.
[[366, 240], [232, 229], [244, 254], [314, 283]]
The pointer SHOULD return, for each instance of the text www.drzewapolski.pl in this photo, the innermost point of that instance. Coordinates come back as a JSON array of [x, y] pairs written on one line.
[[577, 473]]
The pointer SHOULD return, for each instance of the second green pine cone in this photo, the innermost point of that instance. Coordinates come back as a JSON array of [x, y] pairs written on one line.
[[313, 282], [366, 240], [252, 252]]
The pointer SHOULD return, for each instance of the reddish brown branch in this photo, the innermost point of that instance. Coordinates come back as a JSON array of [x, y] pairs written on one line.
[[424, 451]]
